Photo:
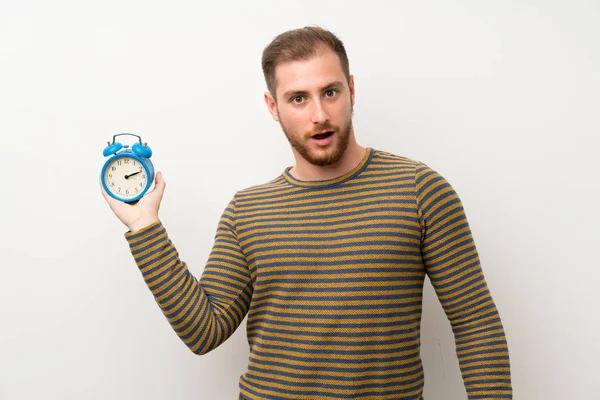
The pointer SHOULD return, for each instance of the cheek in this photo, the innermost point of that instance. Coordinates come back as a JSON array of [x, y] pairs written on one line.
[[292, 118], [344, 105]]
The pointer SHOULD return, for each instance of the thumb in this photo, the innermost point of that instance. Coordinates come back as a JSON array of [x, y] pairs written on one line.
[[159, 184]]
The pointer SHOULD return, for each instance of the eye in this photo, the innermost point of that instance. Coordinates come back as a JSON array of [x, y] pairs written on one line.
[[331, 92], [297, 99]]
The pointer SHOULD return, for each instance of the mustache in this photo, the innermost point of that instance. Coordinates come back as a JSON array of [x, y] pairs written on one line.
[[324, 127]]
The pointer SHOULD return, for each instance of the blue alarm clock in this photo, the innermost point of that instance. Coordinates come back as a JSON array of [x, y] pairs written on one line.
[[128, 173]]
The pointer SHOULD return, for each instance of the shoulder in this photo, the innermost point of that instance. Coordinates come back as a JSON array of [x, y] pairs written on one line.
[[389, 159], [423, 173], [257, 191]]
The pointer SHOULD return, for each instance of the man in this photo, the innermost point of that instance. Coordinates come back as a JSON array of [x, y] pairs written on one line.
[[328, 259]]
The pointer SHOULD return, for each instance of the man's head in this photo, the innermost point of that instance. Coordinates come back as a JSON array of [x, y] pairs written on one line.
[[311, 91]]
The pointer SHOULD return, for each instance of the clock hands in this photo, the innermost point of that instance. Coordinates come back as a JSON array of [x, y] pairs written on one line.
[[130, 175]]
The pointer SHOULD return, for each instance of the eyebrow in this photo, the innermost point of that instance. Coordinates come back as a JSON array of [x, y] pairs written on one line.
[[291, 93]]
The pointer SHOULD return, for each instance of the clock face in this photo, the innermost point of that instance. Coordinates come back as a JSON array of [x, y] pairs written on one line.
[[125, 177]]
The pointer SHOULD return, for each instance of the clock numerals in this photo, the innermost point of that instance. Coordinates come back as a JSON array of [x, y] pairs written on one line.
[[134, 184]]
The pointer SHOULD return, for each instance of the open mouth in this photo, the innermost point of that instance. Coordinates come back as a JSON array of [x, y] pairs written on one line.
[[324, 135]]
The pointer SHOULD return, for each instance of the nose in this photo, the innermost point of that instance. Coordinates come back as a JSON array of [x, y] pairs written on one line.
[[319, 114]]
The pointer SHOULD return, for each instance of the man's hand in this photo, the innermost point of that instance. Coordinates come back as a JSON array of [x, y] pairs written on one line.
[[144, 212]]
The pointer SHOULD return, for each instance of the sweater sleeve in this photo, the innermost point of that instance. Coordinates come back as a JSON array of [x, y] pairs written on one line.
[[453, 266], [205, 312]]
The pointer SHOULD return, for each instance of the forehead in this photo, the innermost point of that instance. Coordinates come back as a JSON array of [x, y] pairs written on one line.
[[303, 75]]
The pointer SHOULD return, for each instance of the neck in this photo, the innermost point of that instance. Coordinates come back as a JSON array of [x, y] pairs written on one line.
[[305, 171]]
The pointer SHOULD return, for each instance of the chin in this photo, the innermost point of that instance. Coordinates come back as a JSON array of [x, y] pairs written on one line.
[[326, 157]]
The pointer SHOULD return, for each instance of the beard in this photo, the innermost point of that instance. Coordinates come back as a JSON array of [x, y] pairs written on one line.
[[325, 156]]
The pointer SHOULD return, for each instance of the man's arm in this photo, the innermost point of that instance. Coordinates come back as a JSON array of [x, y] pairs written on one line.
[[452, 264], [204, 313]]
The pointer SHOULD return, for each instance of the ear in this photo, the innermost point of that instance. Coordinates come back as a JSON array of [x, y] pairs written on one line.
[[351, 86], [271, 105]]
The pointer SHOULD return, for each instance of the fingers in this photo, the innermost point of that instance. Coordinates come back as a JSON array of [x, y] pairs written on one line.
[[110, 200], [106, 196]]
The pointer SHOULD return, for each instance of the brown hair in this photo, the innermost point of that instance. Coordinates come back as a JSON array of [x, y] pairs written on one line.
[[300, 44]]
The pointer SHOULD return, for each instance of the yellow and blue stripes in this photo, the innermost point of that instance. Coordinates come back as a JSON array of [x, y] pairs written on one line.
[[330, 275]]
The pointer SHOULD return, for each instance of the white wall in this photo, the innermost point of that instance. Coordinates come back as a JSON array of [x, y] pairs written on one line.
[[502, 98]]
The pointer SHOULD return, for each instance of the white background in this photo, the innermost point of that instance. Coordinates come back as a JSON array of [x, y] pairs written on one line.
[[501, 98]]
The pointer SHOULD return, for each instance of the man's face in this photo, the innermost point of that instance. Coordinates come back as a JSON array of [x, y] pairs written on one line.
[[314, 107]]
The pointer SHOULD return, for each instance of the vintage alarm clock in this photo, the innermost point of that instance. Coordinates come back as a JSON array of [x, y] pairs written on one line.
[[128, 173]]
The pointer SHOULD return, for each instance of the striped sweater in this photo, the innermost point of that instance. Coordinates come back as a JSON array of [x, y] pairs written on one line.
[[330, 275]]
